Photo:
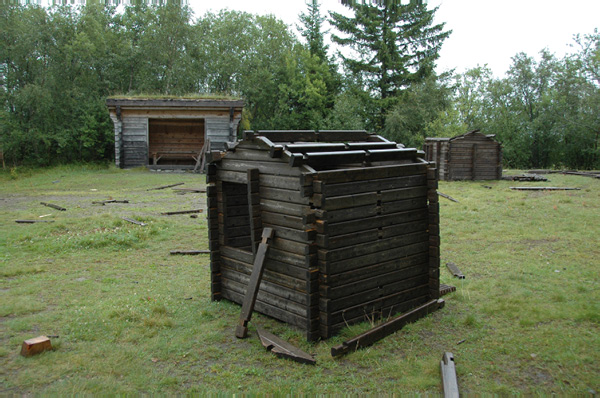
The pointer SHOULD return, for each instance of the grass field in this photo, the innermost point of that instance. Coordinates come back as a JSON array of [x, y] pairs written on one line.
[[131, 318]]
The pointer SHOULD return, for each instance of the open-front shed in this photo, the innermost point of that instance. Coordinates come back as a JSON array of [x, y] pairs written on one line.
[[355, 220], [171, 133], [471, 156]]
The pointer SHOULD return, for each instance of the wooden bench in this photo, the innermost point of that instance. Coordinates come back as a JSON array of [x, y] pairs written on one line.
[[157, 155]]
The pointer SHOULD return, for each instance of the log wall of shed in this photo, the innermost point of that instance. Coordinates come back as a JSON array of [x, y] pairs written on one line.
[[289, 289], [373, 243]]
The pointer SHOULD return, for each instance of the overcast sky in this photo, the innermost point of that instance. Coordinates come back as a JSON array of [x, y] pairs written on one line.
[[484, 31]]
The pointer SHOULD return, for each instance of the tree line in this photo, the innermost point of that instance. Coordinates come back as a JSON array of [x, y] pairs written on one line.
[[59, 64]]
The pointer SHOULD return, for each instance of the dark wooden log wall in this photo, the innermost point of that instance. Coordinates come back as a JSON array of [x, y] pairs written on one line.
[[437, 152], [474, 157], [373, 240], [289, 288]]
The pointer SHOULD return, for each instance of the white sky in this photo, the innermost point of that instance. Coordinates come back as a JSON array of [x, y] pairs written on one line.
[[484, 31]]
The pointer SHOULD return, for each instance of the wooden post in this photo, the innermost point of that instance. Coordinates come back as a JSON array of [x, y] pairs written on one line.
[[434, 232], [213, 237], [449, 382], [252, 291], [254, 207]]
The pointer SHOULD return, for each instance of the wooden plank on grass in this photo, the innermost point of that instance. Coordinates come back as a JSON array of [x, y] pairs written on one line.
[[189, 252], [190, 189], [165, 186], [443, 195], [283, 349], [53, 206], [103, 202], [170, 213], [385, 329], [454, 270], [545, 189], [31, 221], [131, 220]]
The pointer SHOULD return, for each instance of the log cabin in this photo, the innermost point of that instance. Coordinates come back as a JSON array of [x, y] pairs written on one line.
[[471, 156], [355, 220], [171, 133]]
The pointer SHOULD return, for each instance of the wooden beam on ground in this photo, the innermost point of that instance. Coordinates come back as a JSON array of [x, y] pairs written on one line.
[[35, 346], [31, 221], [165, 186], [545, 189], [53, 206], [190, 189], [454, 270], [385, 329], [103, 202], [443, 195], [445, 289], [189, 252], [170, 213], [131, 220], [283, 349], [253, 285], [449, 382]]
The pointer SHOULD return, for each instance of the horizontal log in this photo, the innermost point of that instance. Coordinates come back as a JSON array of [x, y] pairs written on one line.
[[327, 305], [379, 221], [370, 173], [349, 187], [271, 168], [403, 205], [372, 247], [361, 273], [267, 309], [372, 282], [372, 259], [356, 213], [344, 202], [276, 295]]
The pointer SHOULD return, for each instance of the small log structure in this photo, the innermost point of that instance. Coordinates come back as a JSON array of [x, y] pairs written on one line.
[[167, 133], [355, 220], [471, 156]]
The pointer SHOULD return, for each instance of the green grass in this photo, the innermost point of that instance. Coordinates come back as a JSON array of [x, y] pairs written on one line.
[[528, 311]]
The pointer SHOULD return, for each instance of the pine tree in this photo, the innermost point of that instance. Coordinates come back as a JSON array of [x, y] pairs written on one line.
[[394, 47], [311, 30]]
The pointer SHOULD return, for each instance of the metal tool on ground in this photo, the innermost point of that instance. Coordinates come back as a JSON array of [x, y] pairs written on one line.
[[283, 349], [385, 329], [449, 382], [252, 291]]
